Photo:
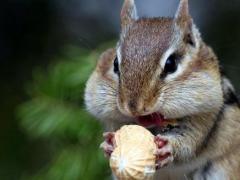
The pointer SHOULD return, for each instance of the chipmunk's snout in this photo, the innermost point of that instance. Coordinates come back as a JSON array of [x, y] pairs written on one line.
[[134, 107], [136, 98]]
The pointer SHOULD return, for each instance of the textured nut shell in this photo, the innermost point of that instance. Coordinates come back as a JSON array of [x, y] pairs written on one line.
[[133, 157]]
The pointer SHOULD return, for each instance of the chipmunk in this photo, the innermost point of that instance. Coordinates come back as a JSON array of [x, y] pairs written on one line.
[[160, 70]]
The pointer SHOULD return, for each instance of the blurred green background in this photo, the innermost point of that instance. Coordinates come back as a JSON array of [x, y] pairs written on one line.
[[48, 49]]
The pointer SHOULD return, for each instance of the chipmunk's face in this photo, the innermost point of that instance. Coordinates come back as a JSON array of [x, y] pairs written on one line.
[[163, 68], [160, 68]]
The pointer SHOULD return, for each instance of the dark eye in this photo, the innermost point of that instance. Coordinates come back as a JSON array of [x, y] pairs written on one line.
[[171, 64], [116, 66]]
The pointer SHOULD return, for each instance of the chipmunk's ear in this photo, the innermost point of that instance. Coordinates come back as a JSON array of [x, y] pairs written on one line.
[[182, 16], [128, 13], [184, 22]]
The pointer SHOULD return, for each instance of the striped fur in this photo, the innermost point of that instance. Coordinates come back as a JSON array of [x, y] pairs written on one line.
[[205, 144]]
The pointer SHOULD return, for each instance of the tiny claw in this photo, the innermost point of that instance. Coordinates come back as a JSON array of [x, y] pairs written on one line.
[[107, 145], [160, 142], [108, 149], [108, 136], [167, 149], [164, 162], [163, 152]]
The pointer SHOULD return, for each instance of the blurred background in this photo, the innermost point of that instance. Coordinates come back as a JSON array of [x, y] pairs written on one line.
[[48, 48]]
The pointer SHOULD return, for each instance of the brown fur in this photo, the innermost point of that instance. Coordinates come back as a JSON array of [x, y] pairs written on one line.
[[143, 54], [105, 61], [202, 100]]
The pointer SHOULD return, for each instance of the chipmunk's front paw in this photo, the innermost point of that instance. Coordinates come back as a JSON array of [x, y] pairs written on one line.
[[164, 151], [107, 144]]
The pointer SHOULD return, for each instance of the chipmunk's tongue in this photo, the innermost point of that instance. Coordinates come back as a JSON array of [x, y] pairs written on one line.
[[154, 119]]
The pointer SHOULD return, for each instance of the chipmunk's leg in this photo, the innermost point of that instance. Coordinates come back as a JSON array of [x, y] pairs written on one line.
[[107, 144], [164, 151]]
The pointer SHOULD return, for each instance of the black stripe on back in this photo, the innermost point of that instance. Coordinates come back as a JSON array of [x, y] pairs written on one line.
[[230, 98], [205, 170], [213, 129]]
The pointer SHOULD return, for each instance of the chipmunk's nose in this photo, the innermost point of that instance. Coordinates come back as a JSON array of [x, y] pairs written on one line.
[[132, 106], [136, 108]]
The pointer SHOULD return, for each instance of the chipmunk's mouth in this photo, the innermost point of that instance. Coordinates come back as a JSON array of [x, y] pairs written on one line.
[[156, 123], [151, 120]]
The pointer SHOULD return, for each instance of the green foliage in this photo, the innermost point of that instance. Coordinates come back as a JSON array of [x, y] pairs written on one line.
[[56, 114]]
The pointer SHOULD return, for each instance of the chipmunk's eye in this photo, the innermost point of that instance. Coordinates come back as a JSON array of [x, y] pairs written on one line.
[[171, 64], [116, 66]]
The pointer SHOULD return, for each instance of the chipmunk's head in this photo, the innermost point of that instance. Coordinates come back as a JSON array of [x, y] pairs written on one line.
[[163, 66]]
